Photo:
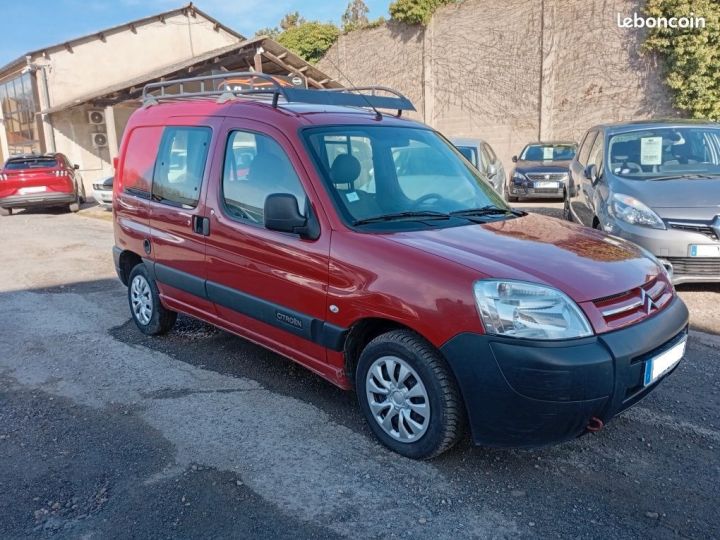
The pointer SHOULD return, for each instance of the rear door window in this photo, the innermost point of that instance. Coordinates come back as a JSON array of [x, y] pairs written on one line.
[[140, 154], [180, 165]]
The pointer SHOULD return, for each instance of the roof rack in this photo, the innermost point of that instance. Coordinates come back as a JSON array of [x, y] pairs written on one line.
[[267, 85]]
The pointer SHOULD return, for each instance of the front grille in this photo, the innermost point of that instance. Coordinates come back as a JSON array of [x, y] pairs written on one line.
[[636, 304], [697, 227], [547, 177], [545, 190], [696, 266]]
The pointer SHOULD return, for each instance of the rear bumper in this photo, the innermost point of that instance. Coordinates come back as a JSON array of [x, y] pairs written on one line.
[[38, 199], [532, 393]]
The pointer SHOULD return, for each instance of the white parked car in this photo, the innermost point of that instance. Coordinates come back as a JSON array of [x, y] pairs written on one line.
[[103, 192], [481, 154]]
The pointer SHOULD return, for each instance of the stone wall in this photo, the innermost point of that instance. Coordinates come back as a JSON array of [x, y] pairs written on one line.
[[511, 71]]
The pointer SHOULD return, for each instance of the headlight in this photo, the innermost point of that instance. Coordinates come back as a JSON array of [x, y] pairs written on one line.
[[630, 210], [524, 310], [518, 177]]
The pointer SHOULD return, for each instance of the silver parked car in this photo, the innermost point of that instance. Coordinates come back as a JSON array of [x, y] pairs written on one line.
[[481, 154], [656, 184]]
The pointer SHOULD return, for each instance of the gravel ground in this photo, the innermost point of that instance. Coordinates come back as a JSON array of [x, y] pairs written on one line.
[[107, 433]]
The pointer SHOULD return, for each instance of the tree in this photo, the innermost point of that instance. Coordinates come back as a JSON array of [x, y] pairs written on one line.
[[309, 40], [691, 55], [355, 16], [416, 11], [291, 20], [271, 31]]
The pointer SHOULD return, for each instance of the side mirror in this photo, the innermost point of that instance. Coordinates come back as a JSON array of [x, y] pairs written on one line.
[[591, 173], [514, 159], [491, 171], [283, 214], [76, 167]]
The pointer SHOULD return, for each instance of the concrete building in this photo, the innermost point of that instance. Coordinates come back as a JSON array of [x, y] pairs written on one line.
[[76, 97]]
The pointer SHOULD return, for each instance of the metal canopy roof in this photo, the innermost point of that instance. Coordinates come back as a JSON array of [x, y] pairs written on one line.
[[274, 58]]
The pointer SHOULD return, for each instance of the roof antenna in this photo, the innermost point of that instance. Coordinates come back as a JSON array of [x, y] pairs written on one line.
[[378, 114]]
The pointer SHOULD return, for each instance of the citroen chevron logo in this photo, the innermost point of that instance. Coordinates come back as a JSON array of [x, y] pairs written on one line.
[[647, 302]]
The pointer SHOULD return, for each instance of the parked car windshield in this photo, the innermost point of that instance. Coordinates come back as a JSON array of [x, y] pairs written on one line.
[[376, 171], [31, 163], [665, 152], [548, 152]]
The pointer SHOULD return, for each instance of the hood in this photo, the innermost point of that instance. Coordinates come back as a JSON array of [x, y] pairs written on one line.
[[523, 166], [584, 263], [701, 194]]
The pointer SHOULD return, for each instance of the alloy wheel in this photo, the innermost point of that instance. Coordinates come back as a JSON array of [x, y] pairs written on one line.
[[398, 399], [141, 300]]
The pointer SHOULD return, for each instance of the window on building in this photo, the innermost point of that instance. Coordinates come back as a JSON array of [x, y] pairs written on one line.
[[255, 167], [180, 165], [19, 108]]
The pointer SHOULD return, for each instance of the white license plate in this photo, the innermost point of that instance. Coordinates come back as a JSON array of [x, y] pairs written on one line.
[[33, 189], [707, 250], [658, 366], [554, 185]]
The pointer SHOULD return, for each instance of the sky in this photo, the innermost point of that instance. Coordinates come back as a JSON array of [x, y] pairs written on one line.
[[33, 24]]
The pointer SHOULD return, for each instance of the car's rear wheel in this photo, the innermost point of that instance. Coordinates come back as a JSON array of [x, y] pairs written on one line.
[[408, 395], [75, 206], [148, 313], [6, 211]]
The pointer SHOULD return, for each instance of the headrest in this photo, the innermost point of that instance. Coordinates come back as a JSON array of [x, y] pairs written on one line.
[[345, 169], [266, 167]]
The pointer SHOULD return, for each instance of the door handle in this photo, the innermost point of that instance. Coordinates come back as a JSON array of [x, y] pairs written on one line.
[[201, 225]]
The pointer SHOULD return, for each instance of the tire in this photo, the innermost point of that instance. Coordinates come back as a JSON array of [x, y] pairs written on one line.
[[145, 308], [6, 211], [83, 197], [567, 215], [420, 380], [75, 206]]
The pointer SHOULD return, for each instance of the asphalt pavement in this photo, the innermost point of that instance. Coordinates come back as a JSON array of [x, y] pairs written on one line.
[[106, 433]]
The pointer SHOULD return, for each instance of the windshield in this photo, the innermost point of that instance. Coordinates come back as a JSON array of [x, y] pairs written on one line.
[[406, 173], [665, 152], [548, 152], [31, 163]]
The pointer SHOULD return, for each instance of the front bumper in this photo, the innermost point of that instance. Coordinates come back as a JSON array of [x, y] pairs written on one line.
[[524, 393], [38, 199], [528, 191], [103, 197], [670, 246]]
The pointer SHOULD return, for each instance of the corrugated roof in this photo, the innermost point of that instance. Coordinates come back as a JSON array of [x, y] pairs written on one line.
[[275, 53]]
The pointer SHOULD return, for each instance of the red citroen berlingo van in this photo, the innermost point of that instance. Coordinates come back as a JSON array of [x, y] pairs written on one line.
[[366, 248]]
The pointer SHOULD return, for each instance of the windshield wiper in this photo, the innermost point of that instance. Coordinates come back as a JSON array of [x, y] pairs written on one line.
[[402, 215], [487, 211], [686, 176]]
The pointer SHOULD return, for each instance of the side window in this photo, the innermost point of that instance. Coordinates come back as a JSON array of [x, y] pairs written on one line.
[[180, 165], [596, 154], [585, 148], [490, 152], [255, 167], [140, 154]]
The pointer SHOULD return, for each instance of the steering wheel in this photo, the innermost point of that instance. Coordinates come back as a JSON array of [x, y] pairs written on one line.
[[428, 197]]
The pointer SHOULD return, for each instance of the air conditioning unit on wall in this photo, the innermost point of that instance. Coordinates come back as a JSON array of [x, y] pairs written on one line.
[[99, 140], [96, 118]]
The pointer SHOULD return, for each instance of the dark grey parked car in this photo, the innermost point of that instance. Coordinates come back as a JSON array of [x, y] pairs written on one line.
[[657, 184], [541, 171]]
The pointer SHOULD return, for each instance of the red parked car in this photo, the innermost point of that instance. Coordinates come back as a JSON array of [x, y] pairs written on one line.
[[46, 180], [364, 247]]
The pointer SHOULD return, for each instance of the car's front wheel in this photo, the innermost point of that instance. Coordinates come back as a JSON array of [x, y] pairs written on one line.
[[409, 396], [567, 215], [148, 313]]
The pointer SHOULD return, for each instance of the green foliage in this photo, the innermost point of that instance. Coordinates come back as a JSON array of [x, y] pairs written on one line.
[[309, 40], [416, 11], [691, 55], [355, 16], [271, 32], [291, 20]]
